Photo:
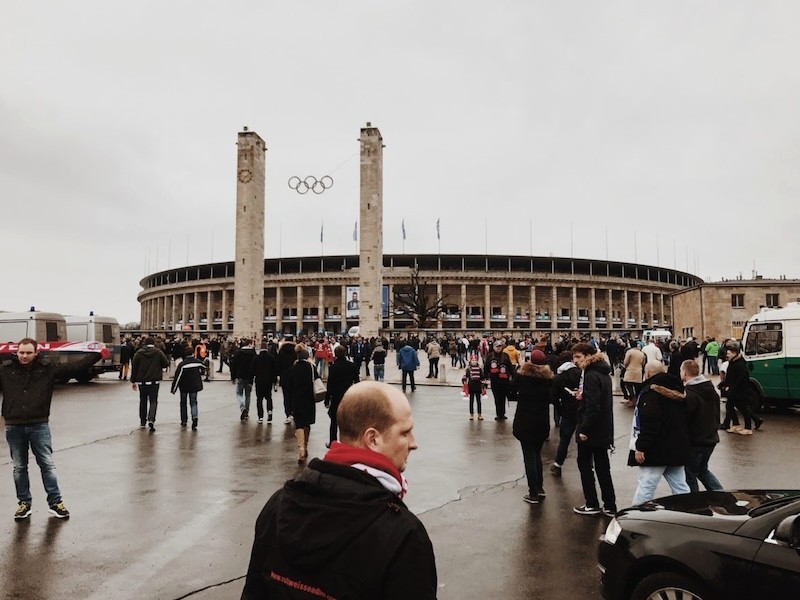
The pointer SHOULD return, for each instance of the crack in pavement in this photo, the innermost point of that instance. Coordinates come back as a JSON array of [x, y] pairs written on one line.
[[476, 490]]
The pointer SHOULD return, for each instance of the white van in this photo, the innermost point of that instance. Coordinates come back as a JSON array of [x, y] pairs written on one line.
[[101, 329], [771, 347], [50, 332]]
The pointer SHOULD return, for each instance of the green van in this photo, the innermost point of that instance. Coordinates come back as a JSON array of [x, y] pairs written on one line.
[[771, 347]]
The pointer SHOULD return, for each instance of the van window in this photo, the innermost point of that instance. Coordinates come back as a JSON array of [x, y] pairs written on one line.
[[764, 338], [108, 335], [51, 331]]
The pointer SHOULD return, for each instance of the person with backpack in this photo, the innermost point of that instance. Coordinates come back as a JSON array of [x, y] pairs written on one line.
[[189, 380], [475, 387]]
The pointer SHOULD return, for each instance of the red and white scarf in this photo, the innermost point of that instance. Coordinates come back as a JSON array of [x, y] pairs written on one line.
[[372, 463]]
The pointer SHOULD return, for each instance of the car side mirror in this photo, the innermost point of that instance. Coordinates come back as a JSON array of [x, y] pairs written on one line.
[[787, 533]]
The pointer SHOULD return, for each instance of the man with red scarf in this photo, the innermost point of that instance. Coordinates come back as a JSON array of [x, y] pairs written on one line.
[[341, 529]]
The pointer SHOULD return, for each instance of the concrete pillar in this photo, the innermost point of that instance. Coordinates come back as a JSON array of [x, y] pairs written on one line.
[[224, 311], [299, 324], [554, 310], [248, 280], [510, 311], [625, 324], [391, 310], [487, 306], [172, 314], [610, 313], [208, 311], [592, 309], [532, 309], [639, 308], [279, 309], [463, 309], [661, 316], [573, 308], [321, 307], [370, 271], [183, 309]]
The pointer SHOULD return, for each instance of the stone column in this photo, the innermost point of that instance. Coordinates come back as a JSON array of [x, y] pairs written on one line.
[[510, 311], [487, 306], [300, 321], [463, 310], [248, 280], [573, 308], [554, 312], [321, 308], [592, 309], [610, 314], [532, 310], [370, 269], [278, 309], [224, 310], [625, 309]]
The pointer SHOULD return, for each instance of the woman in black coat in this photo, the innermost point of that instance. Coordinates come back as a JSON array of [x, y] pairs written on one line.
[[532, 419], [300, 382], [341, 375]]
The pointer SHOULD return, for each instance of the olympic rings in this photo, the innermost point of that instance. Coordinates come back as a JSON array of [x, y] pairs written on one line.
[[301, 186]]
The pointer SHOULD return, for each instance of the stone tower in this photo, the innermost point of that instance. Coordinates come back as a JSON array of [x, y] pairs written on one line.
[[370, 270], [248, 281]]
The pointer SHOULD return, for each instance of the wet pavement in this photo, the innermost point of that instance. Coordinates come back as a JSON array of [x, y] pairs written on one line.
[[170, 514]]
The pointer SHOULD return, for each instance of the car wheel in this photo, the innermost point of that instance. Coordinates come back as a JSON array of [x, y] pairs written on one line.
[[668, 586]]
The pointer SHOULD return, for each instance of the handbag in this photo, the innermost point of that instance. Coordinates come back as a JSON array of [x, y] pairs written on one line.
[[320, 391]]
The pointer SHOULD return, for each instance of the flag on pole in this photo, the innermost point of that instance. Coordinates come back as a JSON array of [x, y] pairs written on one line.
[[321, 226], [403, 228], [355, 231], [438, 236]]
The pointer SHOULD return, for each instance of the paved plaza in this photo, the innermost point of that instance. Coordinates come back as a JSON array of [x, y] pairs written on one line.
[[170, 514]]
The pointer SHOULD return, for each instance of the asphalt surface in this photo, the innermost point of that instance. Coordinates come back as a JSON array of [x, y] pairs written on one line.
[[170, 514]]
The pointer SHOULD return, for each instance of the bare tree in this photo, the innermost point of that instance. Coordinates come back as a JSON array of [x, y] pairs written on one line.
[[418, 301]]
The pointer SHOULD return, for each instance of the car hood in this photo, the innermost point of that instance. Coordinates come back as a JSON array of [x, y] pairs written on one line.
[[720, 511]]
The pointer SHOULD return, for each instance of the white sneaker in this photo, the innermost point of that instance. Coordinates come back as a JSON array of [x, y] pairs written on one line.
[[288, 420], [260, 421]]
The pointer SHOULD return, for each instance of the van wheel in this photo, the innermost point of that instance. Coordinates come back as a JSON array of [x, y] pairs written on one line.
[[757, 403], [84, 377]]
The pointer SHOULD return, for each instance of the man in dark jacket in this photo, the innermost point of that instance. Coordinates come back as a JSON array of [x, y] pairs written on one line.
[[286, 358], [26, 382], [341, 375], [660, 439], [265, 372], [147, 370], [594, 430], [242, 376], [737, 384], [564, 390], [365, 542], [497, 368], [702, 403], [189, 380]]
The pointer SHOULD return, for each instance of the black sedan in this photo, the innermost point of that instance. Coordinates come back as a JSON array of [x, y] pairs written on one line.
[[705, 546]]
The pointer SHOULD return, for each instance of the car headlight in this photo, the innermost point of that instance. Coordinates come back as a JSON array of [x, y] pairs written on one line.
[[612, 532]]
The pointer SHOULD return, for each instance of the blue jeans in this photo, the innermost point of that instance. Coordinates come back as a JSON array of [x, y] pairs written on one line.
[[37, 437], [649, 478], [192, 397], [565, 433], [243, 390], [697, 468], [378, 372]]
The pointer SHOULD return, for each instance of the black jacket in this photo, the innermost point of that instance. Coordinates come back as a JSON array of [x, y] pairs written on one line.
[[265, 368], [532, 419], [148, 365], [567, 403], [737, 380], [498, 369], [663, 422], [27, 392], [189, 375], [596, 404], [242, 364], [286, 358], [339, 532], [299, 386], [702, 402], [341, 375]]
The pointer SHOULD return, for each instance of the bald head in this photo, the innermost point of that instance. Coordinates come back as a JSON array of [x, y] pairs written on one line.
[[653, 368], [377, 416]]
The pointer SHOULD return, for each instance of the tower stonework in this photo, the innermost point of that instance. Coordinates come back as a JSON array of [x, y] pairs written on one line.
[[248, 281], [371, 231]]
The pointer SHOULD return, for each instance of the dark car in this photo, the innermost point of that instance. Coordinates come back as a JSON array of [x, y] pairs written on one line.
[[704, 546]]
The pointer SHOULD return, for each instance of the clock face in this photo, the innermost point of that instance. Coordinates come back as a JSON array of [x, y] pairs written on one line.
[[245, 175]]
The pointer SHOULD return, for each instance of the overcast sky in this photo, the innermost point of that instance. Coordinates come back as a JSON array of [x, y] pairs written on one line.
[[662, 132]]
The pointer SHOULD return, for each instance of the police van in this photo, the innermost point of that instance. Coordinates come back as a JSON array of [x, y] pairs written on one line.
[[102, 329], [771, 347], [50, 332]]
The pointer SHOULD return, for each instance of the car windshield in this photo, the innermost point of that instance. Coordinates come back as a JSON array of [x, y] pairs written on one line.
[[778, 499]]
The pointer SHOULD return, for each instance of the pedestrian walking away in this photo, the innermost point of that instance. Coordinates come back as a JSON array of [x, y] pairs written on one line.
[[594, 430], [26, 382], [242, 376], [532, 419], [147, 371], [702, 404], [189, 380], [342, 375], [265, 373]]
